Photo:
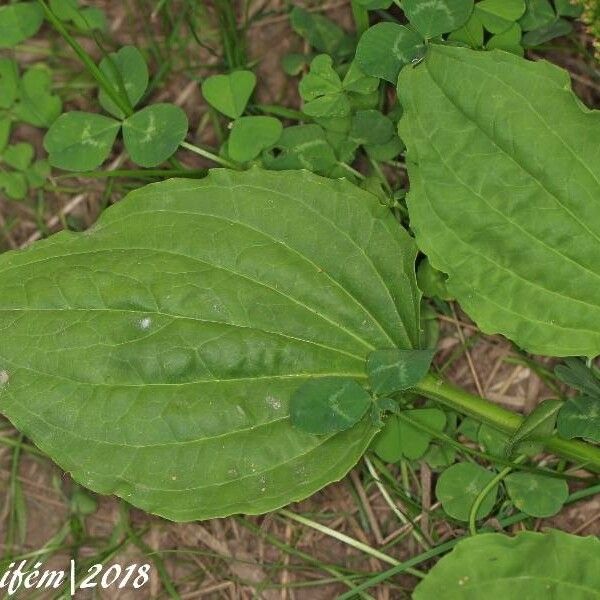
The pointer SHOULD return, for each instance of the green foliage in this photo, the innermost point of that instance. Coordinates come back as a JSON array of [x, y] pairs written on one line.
[[528, 565], [431, 19], [36, 104], [18, 171], [272, 320], [399, 438], [153, 134], [19, 22], [251, 135], [85, 19], [229, 94], [126, 71], [386, 47], [580, 416], [302, 147], [327, 405], [27, 98], [459, 486], [322, 33], [536, 495], [459, 209], [499, 15], [396, 370], [322, 91], [81, 141], [246, 306], [538, 424]]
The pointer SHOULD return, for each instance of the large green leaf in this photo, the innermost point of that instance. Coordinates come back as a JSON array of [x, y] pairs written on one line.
[[154, 356], [505, 194], [529, 565]]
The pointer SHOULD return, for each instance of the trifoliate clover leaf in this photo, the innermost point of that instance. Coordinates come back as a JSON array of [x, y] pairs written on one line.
[[9, 82], [544, 34], [509, 40], [229, 94], [322, 33], [13, 184], [251, 135], [293, 63], [395, 370], [322, 91], [400, 438], [358, 82], [538, 13], [371, 127], [579, 417], [37, 173], [435, 17], [328, 404], [153, 134], [37, 104], [536, 495], [19, 22], [80, 141], [386, 47], [459, 486], [302, 147], [126, 71], [18, 156], [85, 19], [5, 125], [471, 33], [499, 15]]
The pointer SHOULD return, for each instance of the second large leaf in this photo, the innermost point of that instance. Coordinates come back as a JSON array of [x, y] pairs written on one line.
[[154, 356], [505, 193]]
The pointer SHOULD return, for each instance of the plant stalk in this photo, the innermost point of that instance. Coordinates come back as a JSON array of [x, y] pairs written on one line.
[[122, 102], [485, 411]]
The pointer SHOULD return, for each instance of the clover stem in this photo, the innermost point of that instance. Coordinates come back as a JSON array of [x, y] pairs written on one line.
[[485, 492], [487, 412], [206, 154]]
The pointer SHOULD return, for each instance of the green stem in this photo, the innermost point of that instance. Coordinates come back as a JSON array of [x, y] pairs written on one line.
[[206, 154], [482, 410], [485, 492], [122, 103]]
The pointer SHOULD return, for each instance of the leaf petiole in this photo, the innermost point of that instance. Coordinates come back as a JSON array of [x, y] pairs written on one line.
[[484, 411]]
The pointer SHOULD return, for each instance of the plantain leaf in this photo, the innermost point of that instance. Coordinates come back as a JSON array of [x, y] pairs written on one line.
[[155, 355], [528, 565], [500, 189]]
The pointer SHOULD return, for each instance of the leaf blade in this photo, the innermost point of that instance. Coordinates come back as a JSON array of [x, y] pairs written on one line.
[[481, 231]]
